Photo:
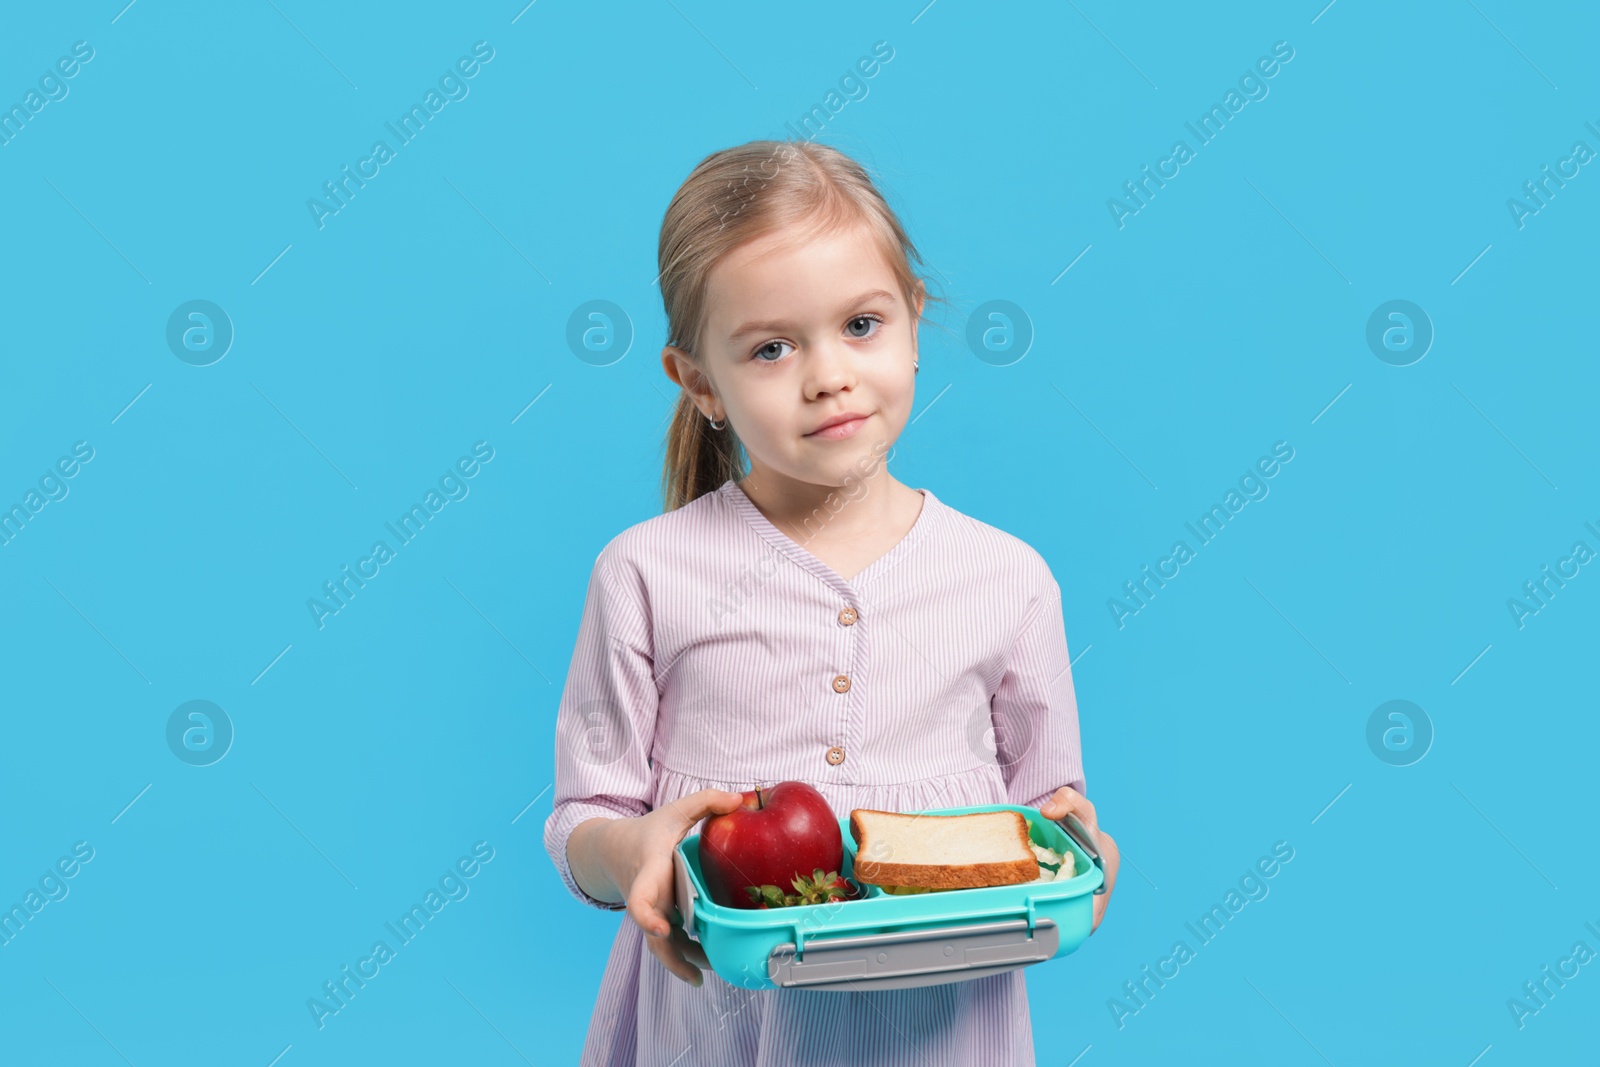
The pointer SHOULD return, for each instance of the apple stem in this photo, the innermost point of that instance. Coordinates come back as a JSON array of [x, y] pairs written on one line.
[[760, 806]]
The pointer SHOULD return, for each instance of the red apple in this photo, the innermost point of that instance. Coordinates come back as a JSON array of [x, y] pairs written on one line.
[[778, 834]]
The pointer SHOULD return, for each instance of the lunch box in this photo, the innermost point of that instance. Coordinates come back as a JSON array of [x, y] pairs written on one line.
[[889, 941]]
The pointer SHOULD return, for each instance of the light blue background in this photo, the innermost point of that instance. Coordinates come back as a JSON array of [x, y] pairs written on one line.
[[430, 312]]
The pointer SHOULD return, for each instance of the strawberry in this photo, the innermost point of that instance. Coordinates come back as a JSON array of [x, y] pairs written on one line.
[[818, 889]]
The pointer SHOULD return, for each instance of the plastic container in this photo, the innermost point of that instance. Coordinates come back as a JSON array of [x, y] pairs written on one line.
[[887, 941]]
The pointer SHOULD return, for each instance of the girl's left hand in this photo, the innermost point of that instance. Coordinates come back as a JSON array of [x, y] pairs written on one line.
[[1067, 799]]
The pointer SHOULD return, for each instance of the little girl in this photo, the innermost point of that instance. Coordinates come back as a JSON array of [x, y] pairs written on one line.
[[812, 619]]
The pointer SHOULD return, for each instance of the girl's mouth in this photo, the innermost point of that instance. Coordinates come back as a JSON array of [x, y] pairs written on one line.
[[840, 431]]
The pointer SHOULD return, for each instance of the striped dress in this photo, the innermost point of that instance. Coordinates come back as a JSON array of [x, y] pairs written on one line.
[[716, 651]]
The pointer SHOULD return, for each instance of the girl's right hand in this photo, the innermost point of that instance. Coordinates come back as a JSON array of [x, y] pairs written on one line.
[[642, 870]]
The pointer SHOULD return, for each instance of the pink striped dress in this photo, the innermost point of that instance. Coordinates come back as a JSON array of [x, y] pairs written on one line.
[[715, 651]]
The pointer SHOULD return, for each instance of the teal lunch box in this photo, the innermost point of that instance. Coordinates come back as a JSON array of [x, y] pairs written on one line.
[[888, 941]]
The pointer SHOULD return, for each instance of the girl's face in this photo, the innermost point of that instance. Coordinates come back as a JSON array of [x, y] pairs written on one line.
[[798, 334]]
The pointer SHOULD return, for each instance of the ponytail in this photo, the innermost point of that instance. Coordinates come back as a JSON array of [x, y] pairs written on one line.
[[699, 459]]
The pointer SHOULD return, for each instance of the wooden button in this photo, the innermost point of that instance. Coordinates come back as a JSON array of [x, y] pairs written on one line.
[[847, 616], [841, 684], [836, 755]]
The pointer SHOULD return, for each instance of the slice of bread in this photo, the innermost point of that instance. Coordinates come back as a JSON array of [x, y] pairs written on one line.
[[942, 851]]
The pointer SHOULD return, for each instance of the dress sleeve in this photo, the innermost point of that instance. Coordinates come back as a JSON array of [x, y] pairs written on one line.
[[1035, 711], [606, 720]]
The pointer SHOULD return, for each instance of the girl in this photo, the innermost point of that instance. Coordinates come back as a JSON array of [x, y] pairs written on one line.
[[810, 619]]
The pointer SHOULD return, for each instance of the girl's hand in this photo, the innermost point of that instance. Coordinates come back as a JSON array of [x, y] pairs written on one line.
[[1067, 799], [640, 857]]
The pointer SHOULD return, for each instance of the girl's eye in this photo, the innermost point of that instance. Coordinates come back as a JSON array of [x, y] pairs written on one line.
[[860, 328], [767, 349], [862, 320]]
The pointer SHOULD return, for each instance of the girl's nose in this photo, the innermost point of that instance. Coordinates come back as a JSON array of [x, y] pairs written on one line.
[[829, 370]]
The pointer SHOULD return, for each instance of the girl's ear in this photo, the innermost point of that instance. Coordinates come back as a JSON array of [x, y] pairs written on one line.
[[916, 319], [682, 370]]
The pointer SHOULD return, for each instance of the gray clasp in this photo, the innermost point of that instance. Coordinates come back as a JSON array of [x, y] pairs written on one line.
[[906, 959], [1085, 838]]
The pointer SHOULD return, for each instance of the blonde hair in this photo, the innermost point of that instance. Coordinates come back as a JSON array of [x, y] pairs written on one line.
[[733, 197]]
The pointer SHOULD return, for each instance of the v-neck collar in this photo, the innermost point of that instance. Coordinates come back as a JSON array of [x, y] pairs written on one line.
[[746, 508]]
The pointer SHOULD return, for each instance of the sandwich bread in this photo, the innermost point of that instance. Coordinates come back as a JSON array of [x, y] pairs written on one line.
[[942, 851]]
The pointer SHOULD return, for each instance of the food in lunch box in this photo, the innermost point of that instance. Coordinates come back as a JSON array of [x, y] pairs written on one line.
[[781, 837], [1053, 866], [820, 888], [906, 854]]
